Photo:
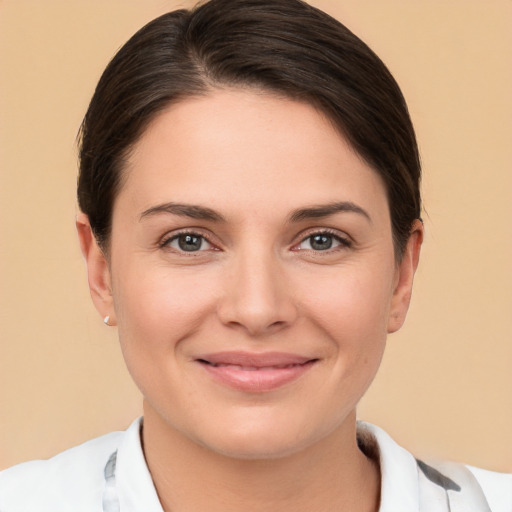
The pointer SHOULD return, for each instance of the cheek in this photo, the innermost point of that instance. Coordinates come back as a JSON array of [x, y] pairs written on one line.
[[351, 309], [351, 304], [156, 312], [157, 308]]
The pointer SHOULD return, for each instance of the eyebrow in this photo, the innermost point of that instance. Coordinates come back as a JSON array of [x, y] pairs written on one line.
[[204, 213], [184, 210], [325, 210]]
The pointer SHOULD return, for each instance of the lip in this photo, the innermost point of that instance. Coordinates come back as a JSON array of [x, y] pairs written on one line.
[[255, 372]]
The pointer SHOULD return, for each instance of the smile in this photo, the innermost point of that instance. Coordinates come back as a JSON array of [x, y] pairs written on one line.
[[255, 373]]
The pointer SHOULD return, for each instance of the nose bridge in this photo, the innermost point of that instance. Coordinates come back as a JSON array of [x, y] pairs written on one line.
[[256, 296]]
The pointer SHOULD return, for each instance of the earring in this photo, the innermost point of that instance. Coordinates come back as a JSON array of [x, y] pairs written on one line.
[[106, 320]]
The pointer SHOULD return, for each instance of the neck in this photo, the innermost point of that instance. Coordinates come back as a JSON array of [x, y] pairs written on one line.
[[333, 474]]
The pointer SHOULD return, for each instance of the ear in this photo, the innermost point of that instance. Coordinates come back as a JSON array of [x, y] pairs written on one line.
[[98, 272], [404, 278]]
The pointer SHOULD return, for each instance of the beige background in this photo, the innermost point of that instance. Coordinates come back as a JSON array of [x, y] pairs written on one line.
[[445, 386]]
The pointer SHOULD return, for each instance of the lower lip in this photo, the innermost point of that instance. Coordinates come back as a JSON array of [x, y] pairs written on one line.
[[256, 380]]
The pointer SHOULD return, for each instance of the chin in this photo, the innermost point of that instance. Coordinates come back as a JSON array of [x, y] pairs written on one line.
[[260, 437], [256, 446]]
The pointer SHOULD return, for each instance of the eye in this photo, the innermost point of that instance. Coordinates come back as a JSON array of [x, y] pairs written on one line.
[[322, 242], [188, 242]]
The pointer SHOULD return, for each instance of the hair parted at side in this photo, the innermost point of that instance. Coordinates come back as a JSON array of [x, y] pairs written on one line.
[[283, 46]]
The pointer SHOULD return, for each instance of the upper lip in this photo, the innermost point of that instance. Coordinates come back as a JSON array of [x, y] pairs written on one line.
[[254, 360]]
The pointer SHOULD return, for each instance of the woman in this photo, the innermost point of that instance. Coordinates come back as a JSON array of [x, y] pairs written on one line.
[[250, 219]]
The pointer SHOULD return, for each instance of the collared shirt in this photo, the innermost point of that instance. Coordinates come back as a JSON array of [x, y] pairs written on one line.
[[109, 474]]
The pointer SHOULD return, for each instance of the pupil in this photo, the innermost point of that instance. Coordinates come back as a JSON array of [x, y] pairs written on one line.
[[321, 242], [189, 242]]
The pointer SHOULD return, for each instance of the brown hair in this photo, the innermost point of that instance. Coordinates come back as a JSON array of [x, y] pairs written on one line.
[[283, 46]]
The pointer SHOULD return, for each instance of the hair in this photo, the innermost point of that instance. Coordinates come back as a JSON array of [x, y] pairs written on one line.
[[285, 47]]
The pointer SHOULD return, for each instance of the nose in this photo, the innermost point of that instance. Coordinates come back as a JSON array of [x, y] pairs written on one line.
[[256, 296]]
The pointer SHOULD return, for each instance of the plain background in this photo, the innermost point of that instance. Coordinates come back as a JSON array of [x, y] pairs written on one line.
[[445, 386]]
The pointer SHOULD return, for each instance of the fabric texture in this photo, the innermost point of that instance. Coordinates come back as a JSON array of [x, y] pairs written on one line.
[[109, 474]]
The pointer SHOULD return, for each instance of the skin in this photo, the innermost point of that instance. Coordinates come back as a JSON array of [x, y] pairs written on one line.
[[257, 284]]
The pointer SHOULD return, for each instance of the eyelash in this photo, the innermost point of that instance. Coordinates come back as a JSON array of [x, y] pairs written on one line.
[[164, 243], [344, 242]]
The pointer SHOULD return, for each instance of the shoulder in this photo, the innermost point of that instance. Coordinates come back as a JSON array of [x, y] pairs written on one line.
[[469, 488], [410, 484], [72, 480], [497, 488]]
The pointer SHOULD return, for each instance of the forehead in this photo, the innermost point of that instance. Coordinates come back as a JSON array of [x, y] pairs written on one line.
[[243, 149]]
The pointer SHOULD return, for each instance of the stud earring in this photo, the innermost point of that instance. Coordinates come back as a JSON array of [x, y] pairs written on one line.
[[106, 320]]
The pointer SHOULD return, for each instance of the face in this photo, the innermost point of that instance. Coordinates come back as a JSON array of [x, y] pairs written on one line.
[[251, 273]]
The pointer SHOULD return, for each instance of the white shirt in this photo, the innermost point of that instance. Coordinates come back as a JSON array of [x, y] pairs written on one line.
[[81, 480]]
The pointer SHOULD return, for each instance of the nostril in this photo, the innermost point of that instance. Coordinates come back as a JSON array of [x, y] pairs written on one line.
[[257, 301]]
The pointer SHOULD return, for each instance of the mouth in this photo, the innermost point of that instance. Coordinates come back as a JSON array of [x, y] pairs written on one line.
[[255, 373]]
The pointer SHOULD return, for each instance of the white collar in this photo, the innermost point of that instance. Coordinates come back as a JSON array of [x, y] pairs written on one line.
[[135, 486], [399, 472], [398, 469]]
